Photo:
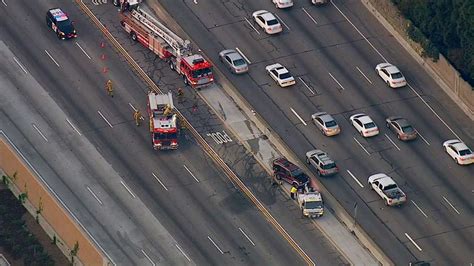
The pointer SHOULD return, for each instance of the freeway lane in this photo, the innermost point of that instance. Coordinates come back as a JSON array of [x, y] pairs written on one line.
[[196, 203], [337, 64]]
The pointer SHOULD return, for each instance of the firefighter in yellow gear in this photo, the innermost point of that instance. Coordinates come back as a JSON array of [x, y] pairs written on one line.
[[168, 110], [293, 191], [109, 88], [137, 116]]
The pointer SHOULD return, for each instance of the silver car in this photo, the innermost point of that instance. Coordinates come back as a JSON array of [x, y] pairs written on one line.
[[324, 165], [326, 123], [234, 61]]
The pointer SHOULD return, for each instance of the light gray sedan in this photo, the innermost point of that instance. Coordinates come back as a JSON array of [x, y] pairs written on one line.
[[234, 61], [326, 123]]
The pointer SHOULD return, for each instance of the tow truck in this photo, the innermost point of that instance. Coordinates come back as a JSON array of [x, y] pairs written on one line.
[[195, 70], [311, 203], [163, 122]]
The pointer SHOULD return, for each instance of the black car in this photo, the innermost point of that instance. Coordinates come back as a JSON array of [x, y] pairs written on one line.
[[57, 20]]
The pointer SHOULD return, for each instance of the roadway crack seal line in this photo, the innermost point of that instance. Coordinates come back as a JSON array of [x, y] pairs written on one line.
[[206, 147]]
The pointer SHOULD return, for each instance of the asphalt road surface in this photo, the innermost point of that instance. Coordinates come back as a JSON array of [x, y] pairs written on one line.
[[333, 63], [196, 203]]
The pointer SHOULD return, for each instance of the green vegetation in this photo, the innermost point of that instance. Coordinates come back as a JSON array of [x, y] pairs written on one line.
[[445, 26], [14, 235]]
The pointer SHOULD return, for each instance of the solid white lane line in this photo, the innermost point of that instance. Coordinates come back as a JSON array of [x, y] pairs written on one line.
[[125, 186], [95, 196], [184, 254], [148, 257], [281, 20], [159, 181], [298, 116], [311, 17], [243, 55], [214, 243], [39, 131], [51, 58], [364, 75], [433, 111], [413, 242], [133, 107], [80, 47], [332, 2], [21, 66], [252, 26], [357, 180], [185, 167], [392, 141], [306, 85], [361, 146], [452, 206], [336, 80], [422, 212], [423, 138], [103, 117], [248, 238], [73, 127]]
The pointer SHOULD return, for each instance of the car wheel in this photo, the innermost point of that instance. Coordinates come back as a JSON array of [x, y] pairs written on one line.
[[323, 132], [386, 203], [115, 3], [278, 177], [456, 160], [388, 83], [307, 160], [398, 136], [318, 172], [133, 35], [388, 125]]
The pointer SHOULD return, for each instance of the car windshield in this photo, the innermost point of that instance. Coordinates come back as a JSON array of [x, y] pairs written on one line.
[[202, 72], [329, 166], [313, 204], [408, 129], [296, 172], [163, 136], [397, 75], [65, 26], [285, 75], [272, 22], [370, 125], [465, 152], [239, 62], [331, 123]]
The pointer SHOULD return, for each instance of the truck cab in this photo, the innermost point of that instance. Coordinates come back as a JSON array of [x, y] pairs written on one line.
[[197, 71], [311, 204]]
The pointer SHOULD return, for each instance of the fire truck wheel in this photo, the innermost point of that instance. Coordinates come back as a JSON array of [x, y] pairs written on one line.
[[134, 36], [115, 3], [171, 65], [185, 80]]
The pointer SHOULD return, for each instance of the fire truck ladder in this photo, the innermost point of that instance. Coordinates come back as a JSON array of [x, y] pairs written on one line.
[[180, 47]]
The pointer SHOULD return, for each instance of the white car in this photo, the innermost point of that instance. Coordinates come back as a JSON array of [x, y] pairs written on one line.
[[387, 189], [267, 21], [283, 3], [391, 75], [364, 125], [281, 75], [459, 151]]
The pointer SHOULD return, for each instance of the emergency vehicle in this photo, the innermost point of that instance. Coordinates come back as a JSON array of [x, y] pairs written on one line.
[[163, 123], [59, 22], [195, 70], [132, 4]]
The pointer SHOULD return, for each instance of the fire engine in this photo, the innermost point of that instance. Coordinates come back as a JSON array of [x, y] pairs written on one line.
[[142, 27], [163, 123]]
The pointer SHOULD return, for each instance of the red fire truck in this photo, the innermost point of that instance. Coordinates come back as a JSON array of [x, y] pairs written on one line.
[[142, 27], [163, 123]]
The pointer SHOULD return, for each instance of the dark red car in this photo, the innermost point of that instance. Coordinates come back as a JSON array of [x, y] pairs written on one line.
[[289, 172]]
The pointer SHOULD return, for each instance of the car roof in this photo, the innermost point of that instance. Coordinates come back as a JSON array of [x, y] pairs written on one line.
[[365, 119], [281, 70], [58, 14], [392, 69], [234, 56], [383, 179], [326, 117], [460, 146], [402, 122], [285, 163], [267, 16]]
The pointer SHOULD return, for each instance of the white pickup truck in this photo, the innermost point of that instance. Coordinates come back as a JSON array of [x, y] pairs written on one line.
[[387, 189]]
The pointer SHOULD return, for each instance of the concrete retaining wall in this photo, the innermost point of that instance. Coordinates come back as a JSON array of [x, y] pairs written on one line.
[[53, 218]]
